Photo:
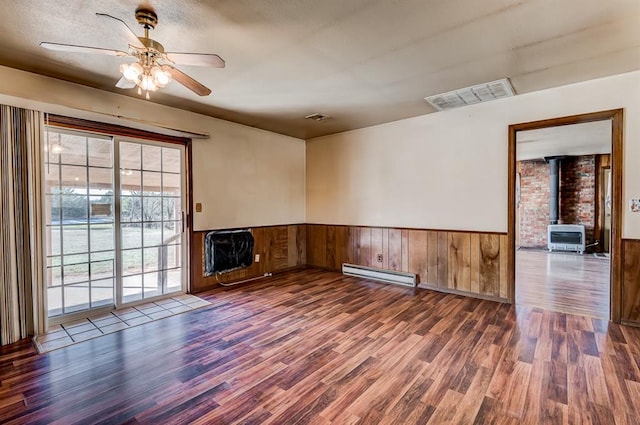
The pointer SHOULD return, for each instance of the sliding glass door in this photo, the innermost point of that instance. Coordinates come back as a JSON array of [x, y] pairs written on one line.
[[114, 221], [151, 220]]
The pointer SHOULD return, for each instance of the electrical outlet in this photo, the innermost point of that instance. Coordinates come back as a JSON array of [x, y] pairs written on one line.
[[257, 259], [379, 258]]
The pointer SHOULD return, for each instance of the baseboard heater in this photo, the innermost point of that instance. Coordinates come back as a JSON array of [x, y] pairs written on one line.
[[388, 276]]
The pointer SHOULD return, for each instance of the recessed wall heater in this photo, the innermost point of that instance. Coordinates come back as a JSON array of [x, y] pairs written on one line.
[[471, 95], [566, 237], [388, 276]]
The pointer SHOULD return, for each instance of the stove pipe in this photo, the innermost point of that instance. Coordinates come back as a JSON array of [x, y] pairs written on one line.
[[554, 188]]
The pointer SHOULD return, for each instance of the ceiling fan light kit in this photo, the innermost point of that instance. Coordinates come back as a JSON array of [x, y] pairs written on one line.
[[148, 77], [154, 68]]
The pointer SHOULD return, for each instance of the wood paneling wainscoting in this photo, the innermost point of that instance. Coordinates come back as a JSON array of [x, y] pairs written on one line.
[[280, 247], [469, 263], [631, 282]]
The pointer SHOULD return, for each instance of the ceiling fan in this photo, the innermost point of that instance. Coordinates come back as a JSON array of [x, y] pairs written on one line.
[[154, 68]]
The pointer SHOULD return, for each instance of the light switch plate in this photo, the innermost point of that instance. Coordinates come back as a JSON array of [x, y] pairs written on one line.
[[198, 207], [634, 205]]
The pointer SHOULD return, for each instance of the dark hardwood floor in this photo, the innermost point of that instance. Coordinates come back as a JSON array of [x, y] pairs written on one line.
[[563, 281], [316, 347]]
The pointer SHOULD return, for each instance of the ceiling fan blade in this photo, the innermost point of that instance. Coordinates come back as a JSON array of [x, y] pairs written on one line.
[[123, 83], [81, 49], [187, 81], [125, 30], [196, 59]]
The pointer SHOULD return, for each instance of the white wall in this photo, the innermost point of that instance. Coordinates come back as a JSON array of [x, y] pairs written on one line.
[[448, 170], [243, 176], [443, 171], [248, 179]]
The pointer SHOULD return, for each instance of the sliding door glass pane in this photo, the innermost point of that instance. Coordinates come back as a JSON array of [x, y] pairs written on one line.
[[79, 220], [151, 231]]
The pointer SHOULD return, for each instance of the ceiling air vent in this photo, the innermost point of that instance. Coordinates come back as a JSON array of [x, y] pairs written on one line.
[[470, 95], [317, 117]]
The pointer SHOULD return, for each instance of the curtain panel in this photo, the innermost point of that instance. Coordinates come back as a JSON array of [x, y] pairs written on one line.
[[21, 268]]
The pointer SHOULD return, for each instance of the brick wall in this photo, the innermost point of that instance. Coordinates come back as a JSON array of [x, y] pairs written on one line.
[[577, 198], [534, 203], [577, 192]]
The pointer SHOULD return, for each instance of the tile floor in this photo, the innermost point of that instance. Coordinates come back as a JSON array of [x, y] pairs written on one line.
[[69, 333]]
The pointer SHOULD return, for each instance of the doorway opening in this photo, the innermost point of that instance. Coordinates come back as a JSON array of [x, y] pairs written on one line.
[[564, 214]]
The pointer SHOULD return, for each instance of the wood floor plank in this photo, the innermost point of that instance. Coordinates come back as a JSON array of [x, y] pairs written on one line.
[[517, 387], [315, 347], [470, 404], [566, 282], [447, 408], [596, 384], [554, 414], [491, 412], [634, 391]]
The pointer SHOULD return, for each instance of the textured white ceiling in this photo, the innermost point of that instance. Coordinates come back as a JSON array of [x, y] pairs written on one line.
[[362, 62]]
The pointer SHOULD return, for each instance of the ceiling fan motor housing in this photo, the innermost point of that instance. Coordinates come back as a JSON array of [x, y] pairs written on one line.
[[147, 18]]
